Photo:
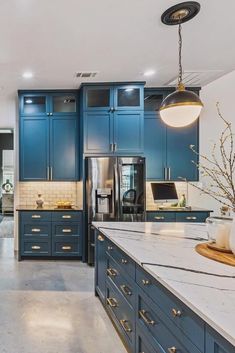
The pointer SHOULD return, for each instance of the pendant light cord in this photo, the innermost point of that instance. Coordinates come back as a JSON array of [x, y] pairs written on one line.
[[180, 79]]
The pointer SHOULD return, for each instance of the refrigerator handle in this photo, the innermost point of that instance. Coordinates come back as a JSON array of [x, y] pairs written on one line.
[[116, 193]]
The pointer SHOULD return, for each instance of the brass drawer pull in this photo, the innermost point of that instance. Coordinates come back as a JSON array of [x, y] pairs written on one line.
[[66, 216], [35, 247], [66, 230], [36, 230], [176, 313], [112, 302], [146, 282], [100, 237], [172, 350], [111, 272], [66, 247], [143, 314], [125, 326], [159, 217], [125, 290], [110, 247], [191, 217], [36, 216], [124, 261]]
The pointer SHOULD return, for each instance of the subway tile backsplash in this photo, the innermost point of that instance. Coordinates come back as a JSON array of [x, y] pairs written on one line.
[[51, 192]]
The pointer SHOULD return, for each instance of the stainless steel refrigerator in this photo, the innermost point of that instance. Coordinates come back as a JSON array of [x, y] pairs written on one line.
[[115, 191]]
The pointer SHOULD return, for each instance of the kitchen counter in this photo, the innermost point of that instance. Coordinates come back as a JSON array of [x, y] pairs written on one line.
[[166, 251], [46, 208]]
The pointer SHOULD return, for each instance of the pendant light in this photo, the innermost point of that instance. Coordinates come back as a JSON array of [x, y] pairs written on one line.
[[181, 107]]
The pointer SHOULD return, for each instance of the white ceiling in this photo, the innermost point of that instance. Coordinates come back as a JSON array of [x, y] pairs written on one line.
[[118, 38]]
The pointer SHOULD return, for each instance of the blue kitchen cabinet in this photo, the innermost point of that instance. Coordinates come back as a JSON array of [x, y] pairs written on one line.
[[98, 132], [179, 155], [34, 149], [48, 135], [128, 132], [155, 147], [216, 343], [167, 152], [63, 148], [100, 266], [113, 121]]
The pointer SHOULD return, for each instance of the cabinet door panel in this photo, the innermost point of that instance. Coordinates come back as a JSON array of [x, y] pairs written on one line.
[[34, 159], [98, 134], [128, 97], [63, 146], [101, 265], [154, 147], [179, 154], [34, 104], [98, 98], [128, 132], [63, 103]]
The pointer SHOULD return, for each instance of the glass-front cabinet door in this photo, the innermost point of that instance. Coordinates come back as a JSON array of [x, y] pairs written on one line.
[[97, 98], [128, 97], [63, 104], [34, 104]]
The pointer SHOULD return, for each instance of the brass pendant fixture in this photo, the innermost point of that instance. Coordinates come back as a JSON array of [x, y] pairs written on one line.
[[182, 107]]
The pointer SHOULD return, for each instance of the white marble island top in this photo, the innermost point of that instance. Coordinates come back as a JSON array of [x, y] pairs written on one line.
[[166, 251]]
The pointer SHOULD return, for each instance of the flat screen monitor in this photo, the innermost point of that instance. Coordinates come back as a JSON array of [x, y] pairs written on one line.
[[164, 191]]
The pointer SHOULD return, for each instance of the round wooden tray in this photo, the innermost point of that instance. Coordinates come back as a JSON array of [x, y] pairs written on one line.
[[225, 258]]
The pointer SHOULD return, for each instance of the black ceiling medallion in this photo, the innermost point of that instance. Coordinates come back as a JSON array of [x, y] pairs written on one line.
[[180, 13]]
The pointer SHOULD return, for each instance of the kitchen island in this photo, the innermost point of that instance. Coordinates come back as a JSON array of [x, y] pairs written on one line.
[[160, 294]]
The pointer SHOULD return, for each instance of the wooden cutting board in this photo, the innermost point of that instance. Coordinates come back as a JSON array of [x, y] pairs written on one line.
[[228, 259]]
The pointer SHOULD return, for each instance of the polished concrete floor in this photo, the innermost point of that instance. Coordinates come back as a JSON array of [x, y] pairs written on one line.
[[50, 307]]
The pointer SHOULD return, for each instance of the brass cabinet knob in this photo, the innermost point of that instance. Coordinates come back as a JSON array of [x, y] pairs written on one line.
[[66, 247], [191, 218], [176, 313], [159, 217], [125, 326], [66, 230], [36, 216], [145, 316], [125, 289], [172, 350], [100, 237], [112, 302], [111, 272], [110, 247], [66, 216], [124, 261], [36, 230], [35, 247], [146, 282]]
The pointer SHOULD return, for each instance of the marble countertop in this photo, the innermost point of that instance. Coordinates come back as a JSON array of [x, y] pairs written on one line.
[[166, 251], [45, 208]]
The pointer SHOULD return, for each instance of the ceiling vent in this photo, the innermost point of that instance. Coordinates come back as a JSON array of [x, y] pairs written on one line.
[[196, 77], [86, 74]]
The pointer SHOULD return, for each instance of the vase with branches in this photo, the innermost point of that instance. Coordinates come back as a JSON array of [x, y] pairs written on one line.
[[219, 169]]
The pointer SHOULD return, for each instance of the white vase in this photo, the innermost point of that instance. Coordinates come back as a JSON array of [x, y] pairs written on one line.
[[232, 236]]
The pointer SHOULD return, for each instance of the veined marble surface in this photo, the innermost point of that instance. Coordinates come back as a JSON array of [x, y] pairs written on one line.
[[166, 251]]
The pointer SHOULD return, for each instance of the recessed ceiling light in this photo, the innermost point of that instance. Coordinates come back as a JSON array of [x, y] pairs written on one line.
[[149, 73], [27, 74]]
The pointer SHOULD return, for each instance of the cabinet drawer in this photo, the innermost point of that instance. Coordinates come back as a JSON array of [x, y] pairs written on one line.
[[174, 309], [191, 216], [144, 342], [65, 229], [35, 229], [67, 216], [122, 313], [66, 248], [161, 216], [35, 216], [151, 318], [126, 264], [127, 287], [36, 248]]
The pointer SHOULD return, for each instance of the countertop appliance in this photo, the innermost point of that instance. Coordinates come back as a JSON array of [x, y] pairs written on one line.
[[115, 191]]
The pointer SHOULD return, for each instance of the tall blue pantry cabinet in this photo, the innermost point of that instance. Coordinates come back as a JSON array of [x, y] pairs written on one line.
[[49, 135]]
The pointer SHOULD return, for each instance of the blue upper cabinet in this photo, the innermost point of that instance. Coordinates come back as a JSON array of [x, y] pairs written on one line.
[[98, 132], [48, 135], [167, 151], [34, 151], [113, 121]]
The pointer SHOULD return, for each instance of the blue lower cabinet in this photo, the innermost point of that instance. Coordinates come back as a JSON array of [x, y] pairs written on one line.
[[100, 265], [216, 343], [161, 216], [40, 236], [192, 216], [178, 216], [122, 314], [165, 334], [144, 342]]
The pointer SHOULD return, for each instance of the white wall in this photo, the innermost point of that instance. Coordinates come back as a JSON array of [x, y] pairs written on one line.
[[222, 91]]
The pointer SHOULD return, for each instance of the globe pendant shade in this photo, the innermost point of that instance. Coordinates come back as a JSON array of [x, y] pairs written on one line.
[[180, 108]]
